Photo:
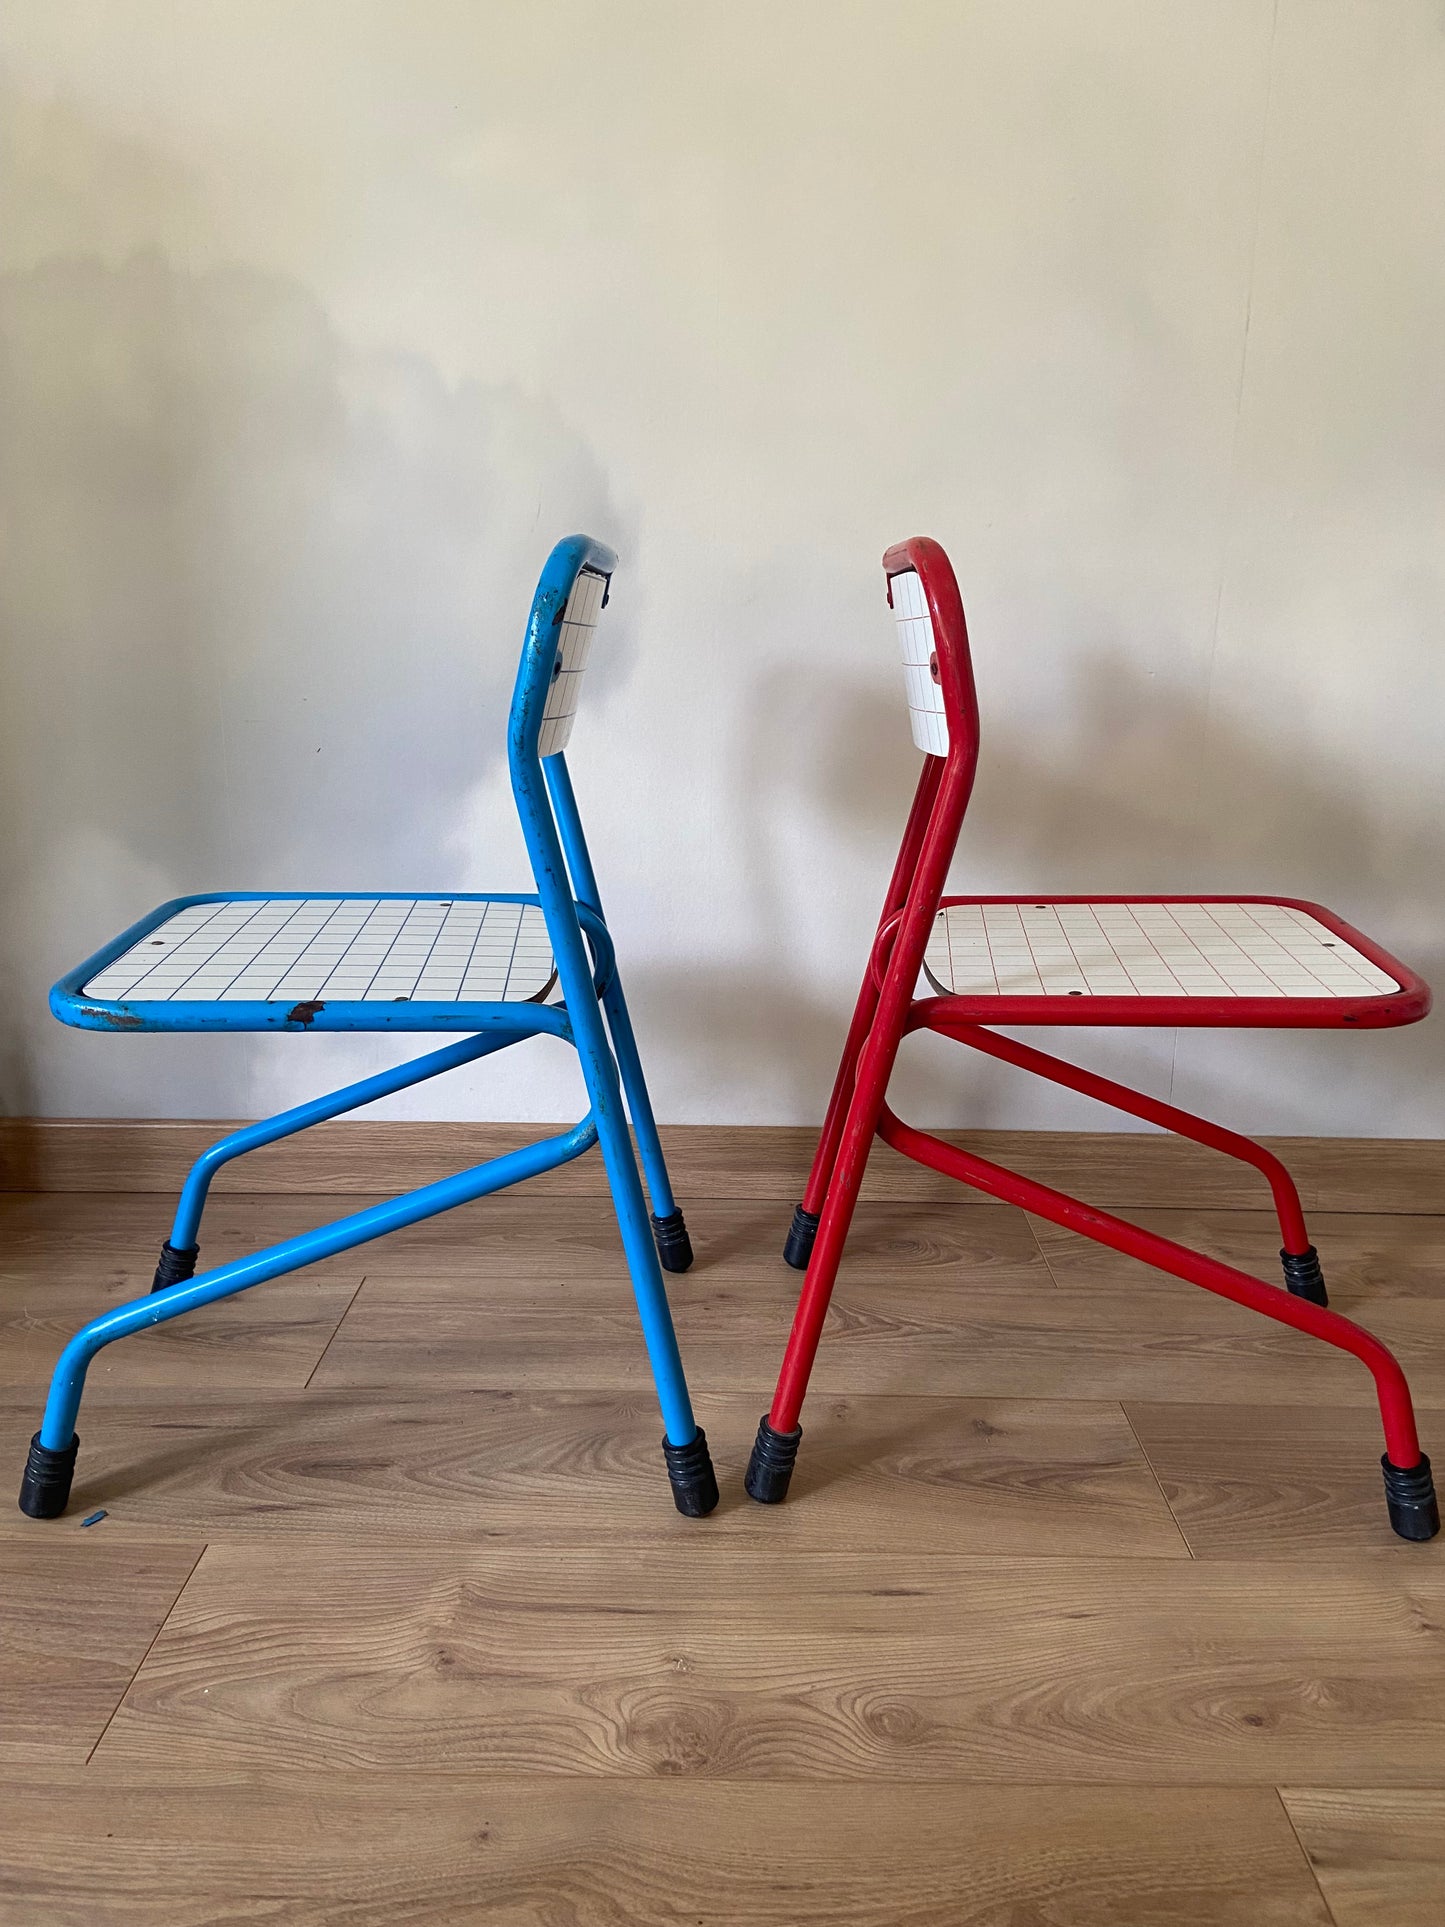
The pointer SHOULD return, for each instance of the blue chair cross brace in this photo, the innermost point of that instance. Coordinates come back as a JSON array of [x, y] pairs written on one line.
[[482, 965]]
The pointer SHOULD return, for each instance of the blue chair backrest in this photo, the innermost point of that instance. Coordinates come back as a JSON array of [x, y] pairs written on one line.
[[571, 595]]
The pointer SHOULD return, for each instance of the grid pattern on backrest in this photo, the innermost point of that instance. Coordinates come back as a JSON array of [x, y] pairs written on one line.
[[925, 692], [579, 625]]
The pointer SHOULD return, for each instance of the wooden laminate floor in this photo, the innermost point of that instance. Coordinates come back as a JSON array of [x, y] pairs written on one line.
[[1083, 1613]]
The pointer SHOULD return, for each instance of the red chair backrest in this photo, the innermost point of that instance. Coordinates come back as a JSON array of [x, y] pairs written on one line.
[[943, 712], [937, 667]]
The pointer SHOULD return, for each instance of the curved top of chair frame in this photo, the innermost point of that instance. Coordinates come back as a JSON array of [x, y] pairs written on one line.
[[937, 666], [571, 595]]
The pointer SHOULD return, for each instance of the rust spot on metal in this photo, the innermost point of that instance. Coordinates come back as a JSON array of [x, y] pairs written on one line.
[[303, 1013], [115, 1019]]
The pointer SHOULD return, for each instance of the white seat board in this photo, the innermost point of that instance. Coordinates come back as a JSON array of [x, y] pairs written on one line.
[[1144, 948], [337, 949]]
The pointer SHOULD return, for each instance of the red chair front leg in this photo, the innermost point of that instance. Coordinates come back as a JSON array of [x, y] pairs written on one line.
[[775, 1450]]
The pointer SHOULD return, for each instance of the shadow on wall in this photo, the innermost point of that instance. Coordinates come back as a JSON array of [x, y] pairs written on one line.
[[249, 603], [1150, 792]]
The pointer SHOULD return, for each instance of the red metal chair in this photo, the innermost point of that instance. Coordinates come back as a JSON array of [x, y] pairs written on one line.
[[1228, 962]]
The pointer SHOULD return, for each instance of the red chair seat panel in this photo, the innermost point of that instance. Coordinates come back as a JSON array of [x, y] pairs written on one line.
[[1237, 962]]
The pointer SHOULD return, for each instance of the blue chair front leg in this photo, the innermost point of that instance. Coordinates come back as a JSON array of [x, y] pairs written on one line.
[[50, 1466], [684, 1444]]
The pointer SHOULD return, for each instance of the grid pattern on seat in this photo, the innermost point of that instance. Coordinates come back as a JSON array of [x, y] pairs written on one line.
[[1144, 949], [346, 949], [579, 625], [925, 692]]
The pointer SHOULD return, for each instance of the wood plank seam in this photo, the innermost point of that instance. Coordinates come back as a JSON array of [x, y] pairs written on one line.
[[1153, 1473], [1039, 1247], [148, 1651], [1305, 1855], [332, 1339]]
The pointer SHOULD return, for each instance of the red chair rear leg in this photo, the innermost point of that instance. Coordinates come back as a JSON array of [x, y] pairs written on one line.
[[806, 1218], [1298, 1257], [1409, 1485]]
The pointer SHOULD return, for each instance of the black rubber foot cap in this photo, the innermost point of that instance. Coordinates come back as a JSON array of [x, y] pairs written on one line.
[[175, 1266], [1303, 1277], [1410, 1495], [45, 1489], [770, 1469], [674, 1247], [801, 1233], [694, 1483]]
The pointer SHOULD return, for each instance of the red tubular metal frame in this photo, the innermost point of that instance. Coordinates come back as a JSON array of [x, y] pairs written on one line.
[[887, 1011], [1152, 1109], [1407, 1005], [1396, 1411]]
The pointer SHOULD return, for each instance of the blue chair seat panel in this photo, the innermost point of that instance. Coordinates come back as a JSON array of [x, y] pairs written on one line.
[[320, 960]]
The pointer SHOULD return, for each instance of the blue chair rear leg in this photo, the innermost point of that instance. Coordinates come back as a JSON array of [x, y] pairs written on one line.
[[669, 1229], [181, 1250], [147, 979]]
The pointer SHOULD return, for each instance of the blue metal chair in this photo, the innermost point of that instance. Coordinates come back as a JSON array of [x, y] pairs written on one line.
[[484, 965]]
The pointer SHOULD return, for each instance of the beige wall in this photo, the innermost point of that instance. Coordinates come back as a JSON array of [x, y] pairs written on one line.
[[321, 319]]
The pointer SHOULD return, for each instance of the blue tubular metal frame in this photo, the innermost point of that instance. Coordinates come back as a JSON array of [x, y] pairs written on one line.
[[132, 1013], [624, 1042], [68, 1382], [586, 967], [351, 1097], [559, 887]]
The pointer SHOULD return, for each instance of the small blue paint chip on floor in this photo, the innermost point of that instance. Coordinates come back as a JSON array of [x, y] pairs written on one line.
[[95, 1519]]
